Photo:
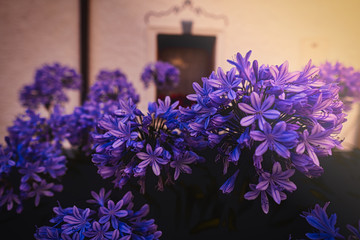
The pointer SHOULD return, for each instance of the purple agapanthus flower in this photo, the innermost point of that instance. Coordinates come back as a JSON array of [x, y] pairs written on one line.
[[347, 78], [319, 219], [112, 213], [254, 193], [77, 221], [202, 92], [227, 83], [9, 198], [165, 75], [166, 108], [79, 124], [116, 221], [43, 189], [124, 134], [325, 225], [276, 139], [32, 162], [306, 165], [100, 198], [355, 231], [127, 110], [228, 186], [109, 88], [110, 91], [319, 138], [112, 86], [49, 85], [181, 163], [276, 182], [30, 171], [258, 110], [6, 163], [98, 231], [51, 234], [127, 142], [269, 112], [281, 76], [272, 184], [152, 158]]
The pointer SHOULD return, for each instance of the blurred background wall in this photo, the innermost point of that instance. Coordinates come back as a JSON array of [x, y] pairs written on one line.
[[33, 32]]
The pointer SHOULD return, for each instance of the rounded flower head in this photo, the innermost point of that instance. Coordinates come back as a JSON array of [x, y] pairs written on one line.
[[32, 162], [128, 142], [109, 88], [347, 78], [116, 221], [49, 85], [165, 75], [277, 116]]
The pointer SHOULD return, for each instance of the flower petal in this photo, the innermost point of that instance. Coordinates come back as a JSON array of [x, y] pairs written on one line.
[[142, 156], [158, 151], [271, 114], [275, 195], [149, 149], [261, 121], [313, 156], [156, 168], [246, 108], [255, 101], [257, 135], [231, 94], [300, 149], [248, 120], [288, 185], [144, 163], [121, 213], [264, 202], [281, 150], [262, 186], [262, 148], [186, 169], [279, 128], [276, 169], [176, 173], [269, 101], [162, 161], [251, 195]]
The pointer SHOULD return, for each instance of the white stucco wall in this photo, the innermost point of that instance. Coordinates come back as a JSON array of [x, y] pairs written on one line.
[[275, 30], [33, 32]]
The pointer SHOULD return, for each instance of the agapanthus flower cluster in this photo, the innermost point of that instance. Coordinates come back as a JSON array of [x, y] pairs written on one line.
[[79, 124], [103, 98], [131, 144], [48, 88], [32, 162], [347, 78], [325, 226], [109, 88], [165, 75], [285, 120], [103, 219]]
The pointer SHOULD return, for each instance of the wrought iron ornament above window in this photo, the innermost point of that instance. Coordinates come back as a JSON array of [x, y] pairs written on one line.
[[186, 5]]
